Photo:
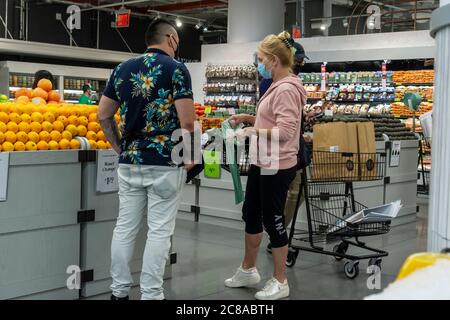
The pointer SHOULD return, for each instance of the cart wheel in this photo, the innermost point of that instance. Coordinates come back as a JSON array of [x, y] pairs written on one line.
[[351, 269], [291, 259], [340, 249], [375, 262]]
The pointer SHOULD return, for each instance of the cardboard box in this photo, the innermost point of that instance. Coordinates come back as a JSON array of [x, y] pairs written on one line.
[[367, 151]]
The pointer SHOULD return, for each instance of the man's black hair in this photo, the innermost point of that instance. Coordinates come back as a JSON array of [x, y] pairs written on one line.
[[155, 32]]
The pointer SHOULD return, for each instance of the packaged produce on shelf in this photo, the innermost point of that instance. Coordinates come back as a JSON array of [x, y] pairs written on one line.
[[238, 86], [346, 77], [400, 110], [231, 71], [425, 91], [37, 126], [230, 100], [211, 123], [414, 76]]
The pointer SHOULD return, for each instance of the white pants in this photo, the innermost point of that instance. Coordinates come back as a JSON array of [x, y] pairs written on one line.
[[158, 189]]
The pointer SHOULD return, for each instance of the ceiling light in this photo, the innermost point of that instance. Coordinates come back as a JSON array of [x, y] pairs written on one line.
[[178, 23], [345, 23], [323, 27], [205, 29], [198, 25]]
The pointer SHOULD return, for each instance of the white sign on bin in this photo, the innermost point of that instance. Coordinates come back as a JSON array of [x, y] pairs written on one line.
[[4, 168], [107, 165], [395, 153]]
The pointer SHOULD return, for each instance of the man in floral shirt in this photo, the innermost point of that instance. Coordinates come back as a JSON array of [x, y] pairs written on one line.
[[154, 95]]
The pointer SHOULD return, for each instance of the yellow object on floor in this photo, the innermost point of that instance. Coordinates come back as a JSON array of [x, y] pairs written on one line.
[[419, 261]]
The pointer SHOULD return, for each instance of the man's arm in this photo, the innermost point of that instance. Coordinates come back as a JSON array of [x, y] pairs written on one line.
[[105, 114], [186, 115]]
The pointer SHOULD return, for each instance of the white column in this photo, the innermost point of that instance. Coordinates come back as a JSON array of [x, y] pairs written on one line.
[[252, 20], [439, 213]]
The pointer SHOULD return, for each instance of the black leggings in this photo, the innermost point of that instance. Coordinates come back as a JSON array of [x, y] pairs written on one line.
[[265, 199]]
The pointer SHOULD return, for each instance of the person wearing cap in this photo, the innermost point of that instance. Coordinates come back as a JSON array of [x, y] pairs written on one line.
[[299, 62], [86, 96], [294, 188]]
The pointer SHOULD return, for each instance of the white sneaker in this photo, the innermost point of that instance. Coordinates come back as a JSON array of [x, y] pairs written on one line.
[[243, 278], [273, 290]]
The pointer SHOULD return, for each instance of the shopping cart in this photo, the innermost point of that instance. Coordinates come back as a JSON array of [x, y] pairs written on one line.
[[327, 186], [424, 166]]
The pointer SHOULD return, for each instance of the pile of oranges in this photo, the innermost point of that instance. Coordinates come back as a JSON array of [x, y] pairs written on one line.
[[43, 94], [27, 126]]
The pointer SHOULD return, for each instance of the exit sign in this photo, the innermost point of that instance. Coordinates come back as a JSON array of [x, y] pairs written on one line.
[[123, 18]]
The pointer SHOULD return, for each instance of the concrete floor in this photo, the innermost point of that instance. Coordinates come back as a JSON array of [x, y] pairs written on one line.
[[209, 254]]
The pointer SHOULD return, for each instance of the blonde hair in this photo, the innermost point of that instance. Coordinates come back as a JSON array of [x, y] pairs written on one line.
[[281, 46]]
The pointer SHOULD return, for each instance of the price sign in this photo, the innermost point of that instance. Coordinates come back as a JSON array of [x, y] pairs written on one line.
[[395, 153], [208, 110], [107, 165], [296, 33], [323, 83], [384, 72], [4, 168]]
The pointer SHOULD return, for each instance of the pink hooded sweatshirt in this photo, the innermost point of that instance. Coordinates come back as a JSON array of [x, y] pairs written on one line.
[[281, 108]]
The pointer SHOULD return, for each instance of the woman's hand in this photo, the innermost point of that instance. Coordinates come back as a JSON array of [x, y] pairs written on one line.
[[241, 118]]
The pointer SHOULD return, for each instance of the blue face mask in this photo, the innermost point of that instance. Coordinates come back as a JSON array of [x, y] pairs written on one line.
[[266, 74]]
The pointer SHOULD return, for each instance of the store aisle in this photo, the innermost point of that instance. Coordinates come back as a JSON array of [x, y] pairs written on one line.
[[208, 254]]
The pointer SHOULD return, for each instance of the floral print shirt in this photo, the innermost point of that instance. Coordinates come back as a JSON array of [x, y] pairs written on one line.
[[146, 88]]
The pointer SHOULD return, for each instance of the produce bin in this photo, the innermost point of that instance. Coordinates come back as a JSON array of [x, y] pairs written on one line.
[[39, 232]]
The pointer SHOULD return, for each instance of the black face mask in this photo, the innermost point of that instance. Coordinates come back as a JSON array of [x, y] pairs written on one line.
[[177, 51]]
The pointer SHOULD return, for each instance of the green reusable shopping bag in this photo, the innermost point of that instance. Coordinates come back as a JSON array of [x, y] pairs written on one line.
[[232, 162]]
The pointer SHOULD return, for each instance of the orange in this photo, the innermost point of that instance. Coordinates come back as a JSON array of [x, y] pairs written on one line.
[[37, 117], [40, 93], [72, 129], [31, 146], [93, 126], [4, 117], [47, 126], [45, 85], [58, 126], [14, 117], [75, 144], [101, 145], [12, 126], [91, 135], [2, 137], [101, 136], [36, 127], [64, 144], [38, 101], [93, 145], [84, 112], [28, 109], [24, 126], [108, 145], [93, 117], [74, 112], [53, 145], [25, 118], [49, 116], [73, 120], [22, 137], [3, 127], [10, 137], [117, 117], [82, 131], [19, 146], [64, 120], [55, 135], [66, 135], [83, 121], [23, 92], [7, 147], [23, 99], [34, 137], [54, 96], [42, 145], [45, 136]]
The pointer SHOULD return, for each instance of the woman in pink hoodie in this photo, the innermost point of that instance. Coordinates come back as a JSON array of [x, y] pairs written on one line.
[[279, 119]]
